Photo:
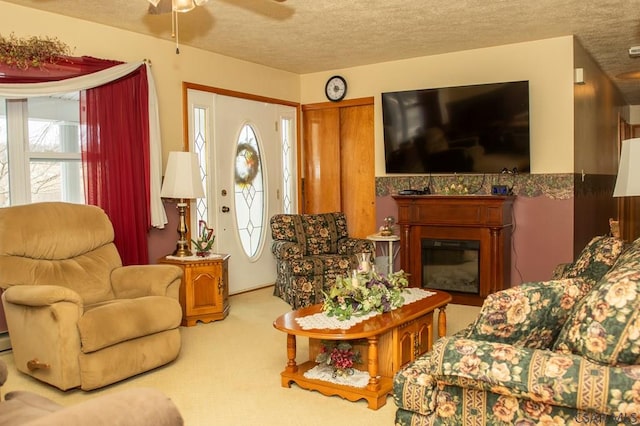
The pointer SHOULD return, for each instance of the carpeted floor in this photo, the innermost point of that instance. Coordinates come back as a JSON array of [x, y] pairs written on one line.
[[228, 373]]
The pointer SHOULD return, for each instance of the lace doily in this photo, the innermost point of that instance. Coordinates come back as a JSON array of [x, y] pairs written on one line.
[[194, 257], [323, 321], [324, 372]]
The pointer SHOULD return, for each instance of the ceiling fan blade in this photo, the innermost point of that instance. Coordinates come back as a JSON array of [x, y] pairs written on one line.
[[274, 9], [160, 7]]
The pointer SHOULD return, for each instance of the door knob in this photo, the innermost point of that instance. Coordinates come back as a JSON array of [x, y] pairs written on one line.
[[225, 209]]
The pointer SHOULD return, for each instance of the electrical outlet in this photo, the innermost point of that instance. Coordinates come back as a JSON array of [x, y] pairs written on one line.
[[499, 190]]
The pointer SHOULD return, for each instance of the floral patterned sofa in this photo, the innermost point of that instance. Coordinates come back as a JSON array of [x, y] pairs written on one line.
[[311, 250], [561, 352]]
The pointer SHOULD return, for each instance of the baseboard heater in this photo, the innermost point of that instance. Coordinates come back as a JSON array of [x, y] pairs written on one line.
[[5, 342]]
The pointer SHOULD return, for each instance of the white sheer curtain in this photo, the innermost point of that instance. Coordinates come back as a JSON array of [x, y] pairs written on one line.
[[25, 90]]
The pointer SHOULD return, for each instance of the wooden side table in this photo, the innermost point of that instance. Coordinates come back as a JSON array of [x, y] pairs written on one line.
[[204, 293]]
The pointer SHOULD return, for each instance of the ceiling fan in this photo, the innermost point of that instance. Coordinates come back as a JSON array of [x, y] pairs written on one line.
[[158, 7]]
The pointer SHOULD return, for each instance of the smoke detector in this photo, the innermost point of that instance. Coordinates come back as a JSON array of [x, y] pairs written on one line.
[[634, 51]]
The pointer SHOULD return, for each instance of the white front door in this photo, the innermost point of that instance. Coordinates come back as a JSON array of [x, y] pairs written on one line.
[[244, 181]]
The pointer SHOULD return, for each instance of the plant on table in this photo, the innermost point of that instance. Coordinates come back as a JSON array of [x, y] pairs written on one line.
[[363, 293], [204, 242], [340, 356]]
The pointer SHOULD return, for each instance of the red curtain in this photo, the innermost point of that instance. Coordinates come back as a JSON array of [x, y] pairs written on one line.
[[115, 145], [115, 156]]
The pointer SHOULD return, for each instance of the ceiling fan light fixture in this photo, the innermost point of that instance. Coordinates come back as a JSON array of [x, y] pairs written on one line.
[[183, 6]]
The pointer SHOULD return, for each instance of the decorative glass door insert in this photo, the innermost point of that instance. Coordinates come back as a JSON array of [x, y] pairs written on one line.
[[249, 191]]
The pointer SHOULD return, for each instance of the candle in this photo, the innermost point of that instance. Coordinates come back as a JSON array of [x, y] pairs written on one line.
[[354, 278]]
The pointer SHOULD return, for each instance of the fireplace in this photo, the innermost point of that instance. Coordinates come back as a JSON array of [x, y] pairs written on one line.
[[451, 265], [458, 244]]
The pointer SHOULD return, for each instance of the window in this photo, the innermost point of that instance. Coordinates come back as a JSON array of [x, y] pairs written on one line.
[[249, 191], [40, 156], [288, 166]]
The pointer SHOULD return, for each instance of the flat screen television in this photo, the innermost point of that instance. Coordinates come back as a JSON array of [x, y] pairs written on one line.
[[465, 129]]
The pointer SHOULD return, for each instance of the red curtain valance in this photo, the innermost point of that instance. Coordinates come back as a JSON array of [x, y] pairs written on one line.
[[62, 68]]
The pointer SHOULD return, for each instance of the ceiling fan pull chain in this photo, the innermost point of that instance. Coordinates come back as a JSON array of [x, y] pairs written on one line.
[[174, 25]]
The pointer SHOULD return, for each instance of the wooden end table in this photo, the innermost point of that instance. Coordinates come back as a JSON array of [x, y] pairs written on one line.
[[392, 340], [204, 292]]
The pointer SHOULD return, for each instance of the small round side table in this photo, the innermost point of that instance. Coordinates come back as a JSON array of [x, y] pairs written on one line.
[[387, 250]]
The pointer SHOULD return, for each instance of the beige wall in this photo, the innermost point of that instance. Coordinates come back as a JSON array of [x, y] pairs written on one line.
[[547, 64], [169, 69]]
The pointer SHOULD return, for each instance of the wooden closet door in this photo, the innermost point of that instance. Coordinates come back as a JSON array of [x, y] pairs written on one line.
[[358, 169], [321, 161], [338, 162]]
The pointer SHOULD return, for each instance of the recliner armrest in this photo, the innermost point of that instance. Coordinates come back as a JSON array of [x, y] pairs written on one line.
[[40, 295], [130, 282]]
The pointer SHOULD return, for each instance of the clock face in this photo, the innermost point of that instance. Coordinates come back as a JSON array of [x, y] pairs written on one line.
[[336, 88]]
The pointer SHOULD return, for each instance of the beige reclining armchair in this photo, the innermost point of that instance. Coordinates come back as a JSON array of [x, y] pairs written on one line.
[[76, 316], [129, 407]]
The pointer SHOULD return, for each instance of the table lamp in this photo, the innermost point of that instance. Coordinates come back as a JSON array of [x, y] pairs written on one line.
[[182, 181], [628, 180]]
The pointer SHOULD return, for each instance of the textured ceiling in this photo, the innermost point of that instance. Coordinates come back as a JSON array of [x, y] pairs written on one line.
[[304, 36]]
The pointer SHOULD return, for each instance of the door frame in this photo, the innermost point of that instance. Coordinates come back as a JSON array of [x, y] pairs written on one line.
[[242, 95]]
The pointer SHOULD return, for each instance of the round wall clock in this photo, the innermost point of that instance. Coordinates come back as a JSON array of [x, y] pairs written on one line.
[[336, 88]]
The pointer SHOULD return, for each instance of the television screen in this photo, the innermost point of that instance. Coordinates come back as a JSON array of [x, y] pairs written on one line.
[[467, 129]]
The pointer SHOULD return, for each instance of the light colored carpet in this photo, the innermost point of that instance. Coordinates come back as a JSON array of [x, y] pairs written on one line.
[[228, 373]]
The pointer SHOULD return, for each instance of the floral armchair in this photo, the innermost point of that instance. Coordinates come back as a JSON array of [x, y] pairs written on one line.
[[311, 250], [561, 352]]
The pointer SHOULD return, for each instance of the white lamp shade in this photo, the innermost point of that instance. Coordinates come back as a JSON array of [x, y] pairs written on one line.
[[182, 177], [628, 181]]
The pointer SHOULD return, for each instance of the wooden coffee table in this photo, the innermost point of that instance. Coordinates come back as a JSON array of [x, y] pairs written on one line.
[[389, 341]]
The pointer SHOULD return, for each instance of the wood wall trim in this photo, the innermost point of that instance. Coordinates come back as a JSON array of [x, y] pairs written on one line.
[[226, 92], [348, 103]]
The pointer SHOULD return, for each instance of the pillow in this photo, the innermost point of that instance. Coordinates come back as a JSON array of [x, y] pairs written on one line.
[[530, 314], [596, 259], [605, 326]]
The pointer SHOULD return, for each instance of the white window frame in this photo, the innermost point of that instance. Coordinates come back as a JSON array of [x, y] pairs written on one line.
[[19, 156]]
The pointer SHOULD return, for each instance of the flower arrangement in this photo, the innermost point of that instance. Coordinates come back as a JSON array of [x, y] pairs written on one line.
[[456, 188], [205, 239], [363, 293], [340, 356], [27, 52]]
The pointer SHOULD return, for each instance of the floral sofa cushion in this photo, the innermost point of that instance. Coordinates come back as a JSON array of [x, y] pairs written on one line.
[[323, 231], [474, 382], [605, 326], [316, 233], [528, 315], [594, 261]]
